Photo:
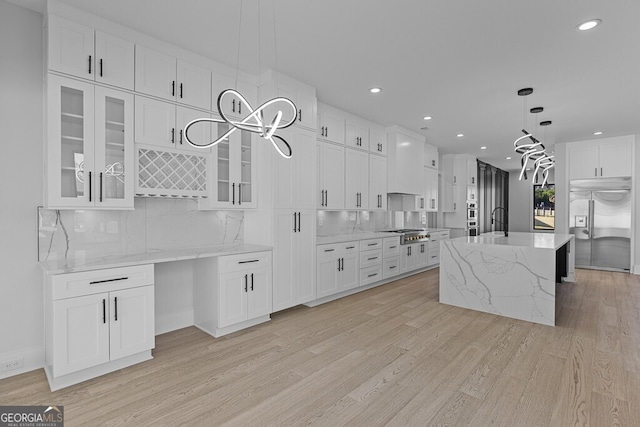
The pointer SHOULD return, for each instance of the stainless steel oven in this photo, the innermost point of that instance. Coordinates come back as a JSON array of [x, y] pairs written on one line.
[[472, 228], [472, 211]]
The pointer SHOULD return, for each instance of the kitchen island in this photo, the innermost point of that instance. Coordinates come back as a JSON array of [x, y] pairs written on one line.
[[513, 276]]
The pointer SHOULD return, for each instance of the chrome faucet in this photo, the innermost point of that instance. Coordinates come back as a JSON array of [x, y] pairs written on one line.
[[506, 217]]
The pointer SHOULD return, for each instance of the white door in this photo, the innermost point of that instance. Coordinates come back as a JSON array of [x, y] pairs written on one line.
[[259, 301], [81, 328], [377, 140], [583, 161], [307, 115], [331, 163], [114, 151], [71, 48], [155, 122], [295, 178], [284, 260], [615, 159], [357, 134], [377, 182], [199, 133], [304, 261], [350, 275], [132, 321], [328, 270], [193, 85], [331, 126], [431, 177], [114, 61], [70, 143], [155, 73], [232, 303]]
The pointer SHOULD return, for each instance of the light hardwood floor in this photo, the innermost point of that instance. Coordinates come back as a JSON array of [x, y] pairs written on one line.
[[388, 356]]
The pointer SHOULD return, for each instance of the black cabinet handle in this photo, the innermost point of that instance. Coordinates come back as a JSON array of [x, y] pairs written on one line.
[[115, 308], [246, 282], [173, 135], [392, 247], [233, 193], [326, 198], [392, 267], [338, 264], [240, 194], [373, 274], [104, 310], [321, 197], [251, 281], [90, 185], [326, 131], [329, 250], [342, 268], [100, 67], [239, 107], [595, 171], [350, 247], [300, 115], [299, 222], [233, 105], [249, 261], [372, 258], [600, 171], [173, 88], [180, 90], [95, 282], [295, 230], [89, 64], [372, 244], [100, 187], [180, 136]]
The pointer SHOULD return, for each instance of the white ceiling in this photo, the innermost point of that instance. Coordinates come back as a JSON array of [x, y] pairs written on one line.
[[461, 62]]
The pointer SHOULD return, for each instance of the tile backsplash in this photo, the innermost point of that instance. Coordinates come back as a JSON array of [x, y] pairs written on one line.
[[346, 222], [154, 224]]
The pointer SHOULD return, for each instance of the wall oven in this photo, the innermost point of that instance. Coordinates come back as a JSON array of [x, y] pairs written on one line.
[[472, 211]]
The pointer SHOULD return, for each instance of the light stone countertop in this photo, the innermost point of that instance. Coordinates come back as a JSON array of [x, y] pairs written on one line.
[[521, 239], [340, 238], [150, 257]]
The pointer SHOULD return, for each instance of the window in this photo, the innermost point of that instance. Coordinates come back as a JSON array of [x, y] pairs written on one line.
[[544, 207]]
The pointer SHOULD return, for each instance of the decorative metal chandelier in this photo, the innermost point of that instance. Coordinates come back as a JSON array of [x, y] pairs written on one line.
[[254, 122], [532, 150]]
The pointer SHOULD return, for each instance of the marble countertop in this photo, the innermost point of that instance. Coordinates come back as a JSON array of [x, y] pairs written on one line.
[[339, 238], [150, 257], [530, 240]]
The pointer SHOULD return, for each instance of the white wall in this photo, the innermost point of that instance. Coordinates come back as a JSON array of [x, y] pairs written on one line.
[[521, 202], [21, 121]]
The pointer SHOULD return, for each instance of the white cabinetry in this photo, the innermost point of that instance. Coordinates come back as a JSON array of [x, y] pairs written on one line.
[[232, 180], [356, 179], [89, 148], [232, 292], [294, 184], [405, 161], [604, 158], [459, 174], [302, 95], [337, 268], [97, 322], [390, 257], [80, 51], [434, 246], [231, 104], [331, 175], [413, 256], [166, 77], [331, 124], [377, 140], [431, 190], [377, 182], [357, 133], [370, 261]]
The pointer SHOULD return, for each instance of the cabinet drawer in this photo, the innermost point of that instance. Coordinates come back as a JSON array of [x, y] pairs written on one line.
[[243, 262], [391, 246], [391, 267], [370, 258], [365, 245], [433, 253], [438, 235], [370, 275], [96, 281], [350, 247]]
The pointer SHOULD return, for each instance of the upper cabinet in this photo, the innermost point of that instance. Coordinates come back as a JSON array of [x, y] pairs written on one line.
[[80, 51], [431, 156], [231, 104], [377, 182], [356, 179], [331, 124], [89, 146], [603, 158], [377, 139], [405, 161], [331, 174], [357, 133], [166, 77], [302, 95]]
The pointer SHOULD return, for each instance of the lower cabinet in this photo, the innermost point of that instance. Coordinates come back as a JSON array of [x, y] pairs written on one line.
[[97, 322], [337, 268], [371, 261], [413, 257], [232, 292], [434, 246]]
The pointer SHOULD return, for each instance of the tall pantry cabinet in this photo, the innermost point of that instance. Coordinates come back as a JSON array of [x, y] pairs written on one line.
[[285, 217]]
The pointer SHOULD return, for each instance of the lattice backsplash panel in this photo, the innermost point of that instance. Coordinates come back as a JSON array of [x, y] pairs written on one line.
[[164, 173]]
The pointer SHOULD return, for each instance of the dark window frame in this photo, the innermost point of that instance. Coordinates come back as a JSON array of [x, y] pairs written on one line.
[[547, 206]]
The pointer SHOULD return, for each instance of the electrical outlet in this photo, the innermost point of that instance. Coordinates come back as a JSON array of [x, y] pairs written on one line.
[[320, 221], [10, 365]]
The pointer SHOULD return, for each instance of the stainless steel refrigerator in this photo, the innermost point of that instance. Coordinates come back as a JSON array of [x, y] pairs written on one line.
[[600, 218]]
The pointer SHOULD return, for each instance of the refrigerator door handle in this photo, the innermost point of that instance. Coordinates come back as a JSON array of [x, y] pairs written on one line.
[[590, 219]]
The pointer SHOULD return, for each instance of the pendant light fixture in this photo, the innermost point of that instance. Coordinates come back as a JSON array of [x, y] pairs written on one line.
[[254, 122], [530, 148]]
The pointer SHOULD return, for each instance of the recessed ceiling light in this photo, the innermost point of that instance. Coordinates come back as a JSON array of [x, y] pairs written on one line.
[[427, 117], [598, 132], [375, 90], [483, 148], [588, 25], [508, 158], [460, 135]]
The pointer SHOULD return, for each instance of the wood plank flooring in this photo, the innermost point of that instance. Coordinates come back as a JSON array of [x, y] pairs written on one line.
[[392, 356]]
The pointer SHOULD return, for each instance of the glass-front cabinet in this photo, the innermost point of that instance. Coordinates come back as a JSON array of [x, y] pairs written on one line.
[[89, 146], [232, 181]]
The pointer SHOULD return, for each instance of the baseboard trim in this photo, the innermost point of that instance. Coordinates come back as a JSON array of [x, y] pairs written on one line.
[[32, 359]]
